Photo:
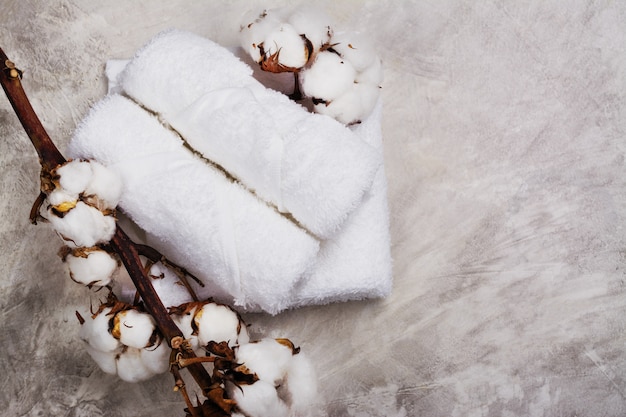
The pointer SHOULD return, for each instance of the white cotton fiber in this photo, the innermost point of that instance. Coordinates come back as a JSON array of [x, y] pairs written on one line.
[[255, 26], [105, 360], [95, 331], [183, 321], [60, 196], [328, 77], [356, 48], [288, 44], [301, 384], [156, 359], [134, 328], [106, 184], [313, 22], [352, 105], [259, 400], [267, 358], [83, 226], [168, 286], [96, 268], [372, 74], [74, 176], [130, 367], [217, 323]]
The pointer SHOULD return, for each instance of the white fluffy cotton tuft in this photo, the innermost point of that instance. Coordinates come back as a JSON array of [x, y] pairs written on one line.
[[134, 328], [219, 323], [94, 269], [267, 358], [74, 176], [289, 46], [83, 225], [95, 331], [328, 77], [105, 184], [259, 400], [130, 366], [313, 23]]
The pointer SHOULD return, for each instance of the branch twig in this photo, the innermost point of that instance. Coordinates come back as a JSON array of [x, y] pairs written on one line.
[[50, 157]]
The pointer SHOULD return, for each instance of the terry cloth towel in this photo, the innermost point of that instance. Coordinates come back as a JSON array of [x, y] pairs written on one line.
[[243, 250], [307, 165], [357, 263]]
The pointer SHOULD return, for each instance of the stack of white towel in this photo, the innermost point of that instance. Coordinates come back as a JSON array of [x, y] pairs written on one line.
[[271, 206]]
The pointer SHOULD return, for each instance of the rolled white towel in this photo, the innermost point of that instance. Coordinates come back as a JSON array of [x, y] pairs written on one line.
[[243, 250], [356, 264], [305, 164]]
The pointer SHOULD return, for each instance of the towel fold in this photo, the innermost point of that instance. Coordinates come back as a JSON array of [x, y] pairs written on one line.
[[355, 264], [242, 249], [307, 165]]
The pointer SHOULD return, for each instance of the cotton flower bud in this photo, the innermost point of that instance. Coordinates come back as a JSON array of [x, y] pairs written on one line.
[[95, 331], [219, 323], [168, 286], [91, 266], [328, 77], [134, 328], [269, 359], [82, 225]]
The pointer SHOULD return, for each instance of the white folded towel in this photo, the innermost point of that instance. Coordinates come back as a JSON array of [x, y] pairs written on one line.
[[355, 264], [241, 248], [305, 164]]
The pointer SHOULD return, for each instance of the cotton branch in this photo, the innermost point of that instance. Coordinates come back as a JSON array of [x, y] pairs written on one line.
[[128, 251]]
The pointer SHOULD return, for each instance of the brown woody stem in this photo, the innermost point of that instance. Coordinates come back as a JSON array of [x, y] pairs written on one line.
[[50, 157]]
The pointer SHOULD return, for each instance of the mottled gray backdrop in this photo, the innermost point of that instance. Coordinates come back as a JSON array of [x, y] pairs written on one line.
[[505, 136]]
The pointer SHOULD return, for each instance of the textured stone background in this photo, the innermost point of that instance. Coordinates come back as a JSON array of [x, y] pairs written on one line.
[[505, 137]]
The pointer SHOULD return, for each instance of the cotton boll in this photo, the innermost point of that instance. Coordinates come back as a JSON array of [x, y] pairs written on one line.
[[345, 108], [107, 361], [95, 331], [218, 323], [354, 47], [373, 74], [134, 328], [96, 268], [352, 106], [328, 77], [83, 225], [74, 176], [301, 384], [184, 323], [60, 198], [130, 367], [156, 359], [267, 358], [255, 27], [258, 400], [313, 23], [168, 286], [289, 46], [106, 184]]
